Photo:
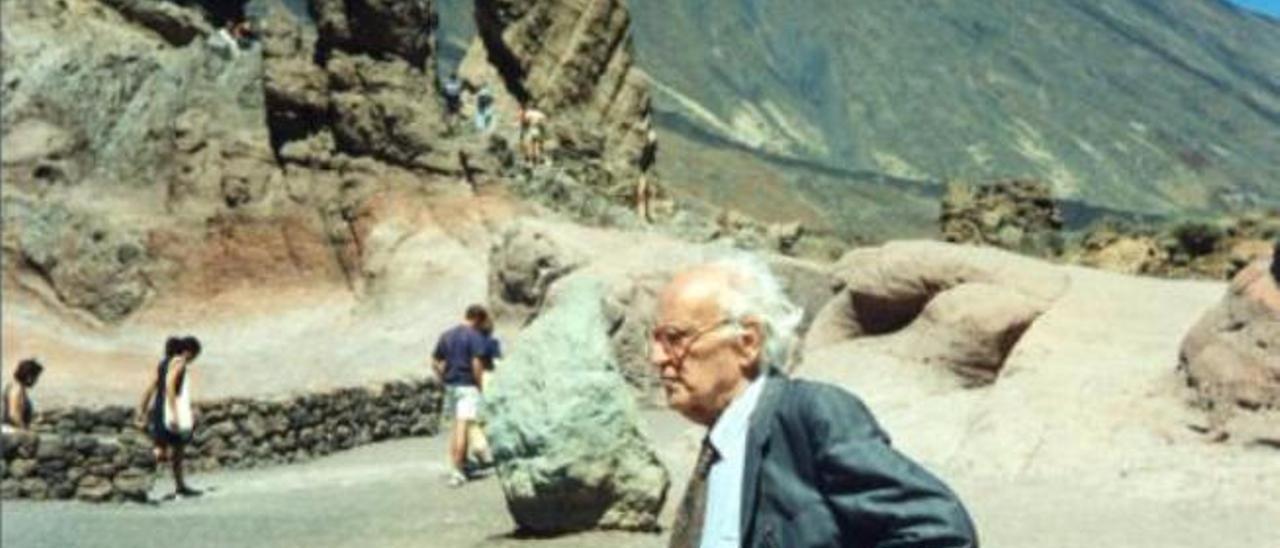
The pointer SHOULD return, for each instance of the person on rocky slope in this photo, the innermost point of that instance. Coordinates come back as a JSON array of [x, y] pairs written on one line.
[[1275, 263], [477, 441], [452, 89], [645, 163], [484, 109], [785, 462], [532, 133]]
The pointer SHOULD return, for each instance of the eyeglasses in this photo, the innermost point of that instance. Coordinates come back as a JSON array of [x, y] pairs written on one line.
[[676, 342]]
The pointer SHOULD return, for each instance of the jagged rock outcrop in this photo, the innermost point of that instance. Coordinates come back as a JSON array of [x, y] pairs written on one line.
[[106, 93], [1231, 357], [139, 101], [1215, 248], [1024, 216], [351, 90], [1015, 214], [567, 439], [963, 308], [178, 26], [378, 28], [572, 59], [126, 101]]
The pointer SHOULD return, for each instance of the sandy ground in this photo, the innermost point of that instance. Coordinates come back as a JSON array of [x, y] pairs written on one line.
[[428, 259], [1085, 439]]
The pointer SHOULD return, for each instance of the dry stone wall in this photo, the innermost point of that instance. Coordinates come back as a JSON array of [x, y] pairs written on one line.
[[99, 455]]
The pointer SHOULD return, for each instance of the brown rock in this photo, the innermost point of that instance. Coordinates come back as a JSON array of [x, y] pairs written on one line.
[[1013, 214], [178, 25], [1126, 255], [1231, 357], [350, 90], [400, 28], [969, 329], [964, 307]]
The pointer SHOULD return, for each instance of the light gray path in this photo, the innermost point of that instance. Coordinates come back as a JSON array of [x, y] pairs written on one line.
[[393, 495], [386, 495]]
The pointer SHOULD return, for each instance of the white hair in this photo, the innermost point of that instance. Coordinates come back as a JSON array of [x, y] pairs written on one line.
[[753, 292]]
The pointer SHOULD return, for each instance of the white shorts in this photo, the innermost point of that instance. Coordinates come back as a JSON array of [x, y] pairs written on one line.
[[462, 402]]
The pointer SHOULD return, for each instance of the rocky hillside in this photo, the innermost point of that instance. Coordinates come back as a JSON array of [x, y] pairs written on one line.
[[144, 157], [1139, 105]]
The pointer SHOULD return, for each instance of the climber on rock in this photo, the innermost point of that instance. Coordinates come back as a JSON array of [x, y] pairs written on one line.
[[484, 108], [532, 133], [452, 89], [644, 187]]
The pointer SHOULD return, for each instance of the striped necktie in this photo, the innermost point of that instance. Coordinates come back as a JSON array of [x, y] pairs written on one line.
[[686, 532]]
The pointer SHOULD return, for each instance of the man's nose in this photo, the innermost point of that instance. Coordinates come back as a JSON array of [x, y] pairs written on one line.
[[658, 355]]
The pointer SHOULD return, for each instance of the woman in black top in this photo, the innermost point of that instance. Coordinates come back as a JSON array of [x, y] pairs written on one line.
[[18, 411], [163, 403]]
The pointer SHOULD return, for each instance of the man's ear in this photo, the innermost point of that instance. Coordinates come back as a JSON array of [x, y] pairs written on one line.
[[751, 339]]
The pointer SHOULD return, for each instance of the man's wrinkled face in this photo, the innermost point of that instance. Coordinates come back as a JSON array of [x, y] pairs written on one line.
[[701, 358]]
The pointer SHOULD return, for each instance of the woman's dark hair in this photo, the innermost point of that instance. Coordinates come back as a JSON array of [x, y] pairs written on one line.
[[27, 372], [485, 326], [172, 347], [192, 345]]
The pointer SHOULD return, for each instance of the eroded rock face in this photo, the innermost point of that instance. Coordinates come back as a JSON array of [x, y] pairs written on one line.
[[961, 307], [1231, 357], [571, 58], [570, 452], [88, 263], [123, 101], [347, 88], [381, 28], [178, 25], [523, 265]]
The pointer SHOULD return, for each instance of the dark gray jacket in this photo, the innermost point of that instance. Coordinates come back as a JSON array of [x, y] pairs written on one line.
[[820, 472]]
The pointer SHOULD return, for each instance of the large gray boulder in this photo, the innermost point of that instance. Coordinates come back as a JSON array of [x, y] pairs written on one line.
[[564, 429]]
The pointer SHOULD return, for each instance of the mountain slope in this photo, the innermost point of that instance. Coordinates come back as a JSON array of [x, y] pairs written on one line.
[[1151, 106]]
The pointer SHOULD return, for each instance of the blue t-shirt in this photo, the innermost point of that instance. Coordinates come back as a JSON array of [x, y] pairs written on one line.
[[457, 347]]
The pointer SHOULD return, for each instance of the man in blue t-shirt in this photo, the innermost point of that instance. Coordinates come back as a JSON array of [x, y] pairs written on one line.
[[458, 361]]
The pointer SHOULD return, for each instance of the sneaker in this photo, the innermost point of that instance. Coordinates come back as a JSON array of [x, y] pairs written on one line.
[[187, 493], [456, 479]]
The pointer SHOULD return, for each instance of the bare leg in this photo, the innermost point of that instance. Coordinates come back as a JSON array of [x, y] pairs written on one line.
[[642, 198], [458, 444], [180, 483]]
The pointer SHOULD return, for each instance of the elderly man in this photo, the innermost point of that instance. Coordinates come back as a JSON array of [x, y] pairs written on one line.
[[785, 463]]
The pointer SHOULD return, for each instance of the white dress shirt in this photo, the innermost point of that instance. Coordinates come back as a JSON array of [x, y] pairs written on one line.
[[722, 522]]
